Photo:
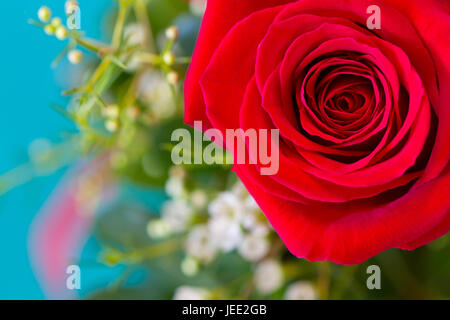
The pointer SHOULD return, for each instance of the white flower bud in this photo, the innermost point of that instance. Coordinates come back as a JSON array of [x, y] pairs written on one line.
[[56, 22], [175, 188], [168, 58], [226, 212], [154, 91], [75, 56], [50, 30], [199, 244], [44, 14], [254, 247], [268, 277], [301, 290], [61, 33], [190, 266], [71, 6], [157, 229], [191, 293], [226, 234], [112, 111], [177, 214], [135, 34], [112, 125], [227, 205], [173, 77], [172, 33]]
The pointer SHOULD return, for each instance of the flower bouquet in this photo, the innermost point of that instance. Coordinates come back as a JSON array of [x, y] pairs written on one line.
[[356, 114]]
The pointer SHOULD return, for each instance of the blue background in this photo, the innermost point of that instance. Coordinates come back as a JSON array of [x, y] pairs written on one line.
[[28, 86]]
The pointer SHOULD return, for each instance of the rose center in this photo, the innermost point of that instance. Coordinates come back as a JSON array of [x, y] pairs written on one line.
[[338, 96]]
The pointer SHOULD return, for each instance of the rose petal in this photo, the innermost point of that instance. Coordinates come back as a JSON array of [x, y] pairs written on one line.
[[219, 18]]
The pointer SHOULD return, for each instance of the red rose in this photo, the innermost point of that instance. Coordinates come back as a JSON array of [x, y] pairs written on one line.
[[363, 116]]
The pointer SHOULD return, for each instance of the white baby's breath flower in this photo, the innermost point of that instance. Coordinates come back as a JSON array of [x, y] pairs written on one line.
[[158, 229], [175, 188], [177, 214], [133, 62], [226, 234], [191, 293], [268, 276], [261, 229], [226, 213], [250, 219], [254, 247], [199, 244], [227, 205], [301, 290], [190, 266], [250, 204], [225, 225], [154, 91], [256, 224], [134, 34], [253, 220]]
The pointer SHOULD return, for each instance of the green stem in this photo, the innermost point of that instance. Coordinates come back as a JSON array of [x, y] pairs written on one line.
[[98, 73], [92, 46], [324, 279], [15, 177], [59, 155], [140, 10], [120, 22], [154, 251]]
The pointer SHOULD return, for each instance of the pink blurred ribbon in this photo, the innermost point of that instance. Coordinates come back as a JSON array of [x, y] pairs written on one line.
[[62, 227]]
